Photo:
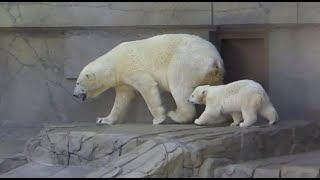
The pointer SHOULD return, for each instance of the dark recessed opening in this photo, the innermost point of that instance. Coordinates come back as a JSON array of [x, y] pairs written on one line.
[[245, 59]]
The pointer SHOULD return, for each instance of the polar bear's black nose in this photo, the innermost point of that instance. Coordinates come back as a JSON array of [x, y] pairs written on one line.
[[75, 95]]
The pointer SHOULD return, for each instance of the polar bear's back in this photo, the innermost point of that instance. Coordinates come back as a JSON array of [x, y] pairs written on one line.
[[159, 51], [167, 57]]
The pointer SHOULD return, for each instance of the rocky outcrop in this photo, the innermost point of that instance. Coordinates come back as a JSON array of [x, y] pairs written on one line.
[[11, 162], [129, 150], [304, 165]]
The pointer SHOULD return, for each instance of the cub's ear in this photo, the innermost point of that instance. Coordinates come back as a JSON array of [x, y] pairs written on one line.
[[91, 76]]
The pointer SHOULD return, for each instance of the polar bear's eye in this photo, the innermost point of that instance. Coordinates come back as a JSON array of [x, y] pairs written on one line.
[[77, 83], [191, 95]]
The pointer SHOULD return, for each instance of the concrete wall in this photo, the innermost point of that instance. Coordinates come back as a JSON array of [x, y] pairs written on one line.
[[71, 14], [42, 44], [294, 71]]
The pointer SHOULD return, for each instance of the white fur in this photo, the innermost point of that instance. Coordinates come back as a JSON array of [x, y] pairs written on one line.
[[242, 99], [176, 63]]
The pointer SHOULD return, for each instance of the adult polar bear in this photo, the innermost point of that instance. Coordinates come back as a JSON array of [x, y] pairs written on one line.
[[176, 63]]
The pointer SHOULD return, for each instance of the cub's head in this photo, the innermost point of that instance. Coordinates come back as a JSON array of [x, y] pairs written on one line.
[[199, 95]]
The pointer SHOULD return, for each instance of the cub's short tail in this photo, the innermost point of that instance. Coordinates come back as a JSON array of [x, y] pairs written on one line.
[[268, 111]]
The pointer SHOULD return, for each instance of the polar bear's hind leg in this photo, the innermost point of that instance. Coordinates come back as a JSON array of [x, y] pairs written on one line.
[[267, 111], [185, 110]]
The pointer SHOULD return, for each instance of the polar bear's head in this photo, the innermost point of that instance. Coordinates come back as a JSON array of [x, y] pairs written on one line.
[[88, 85], [85, 84], [199, 95]]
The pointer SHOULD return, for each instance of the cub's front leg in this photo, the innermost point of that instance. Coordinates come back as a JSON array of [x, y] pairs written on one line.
[[207, 115]]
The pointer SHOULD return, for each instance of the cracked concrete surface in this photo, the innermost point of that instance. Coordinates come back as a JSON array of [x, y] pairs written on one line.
[[38, 66], [302, 165], [48, 14], [35, 67], [66, 14]]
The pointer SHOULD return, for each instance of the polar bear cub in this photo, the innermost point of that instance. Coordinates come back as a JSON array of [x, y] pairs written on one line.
[[243, 99]]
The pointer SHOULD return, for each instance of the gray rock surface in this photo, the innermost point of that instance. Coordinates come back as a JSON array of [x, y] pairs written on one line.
[[33, 170], [143, 150], [300, 171], [36, 170], [73, 172], [209, 165], [11, 162], [302, 165], [131, 150]]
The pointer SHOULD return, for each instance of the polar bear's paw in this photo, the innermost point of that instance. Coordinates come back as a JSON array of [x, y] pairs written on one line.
[[173, 115], [273, 122], [178, 117], [199, 122], [159, 120], [244, 125], [234, 124], [105, 120]]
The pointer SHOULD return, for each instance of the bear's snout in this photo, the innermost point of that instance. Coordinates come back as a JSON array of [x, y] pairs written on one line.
[[190, 100], [83, 96]]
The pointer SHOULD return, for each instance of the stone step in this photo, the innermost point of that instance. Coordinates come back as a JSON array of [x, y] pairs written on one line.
[[74, 172], [192, 153], [144, 150], [11, 161], [36, 170], [303, 165], [12, 142]]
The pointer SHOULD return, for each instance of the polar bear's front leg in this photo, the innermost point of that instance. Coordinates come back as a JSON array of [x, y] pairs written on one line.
[[147, 86], [124, 95]]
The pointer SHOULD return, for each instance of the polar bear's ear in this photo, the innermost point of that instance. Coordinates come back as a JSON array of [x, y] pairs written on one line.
[[91, 76], [204, 92]]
